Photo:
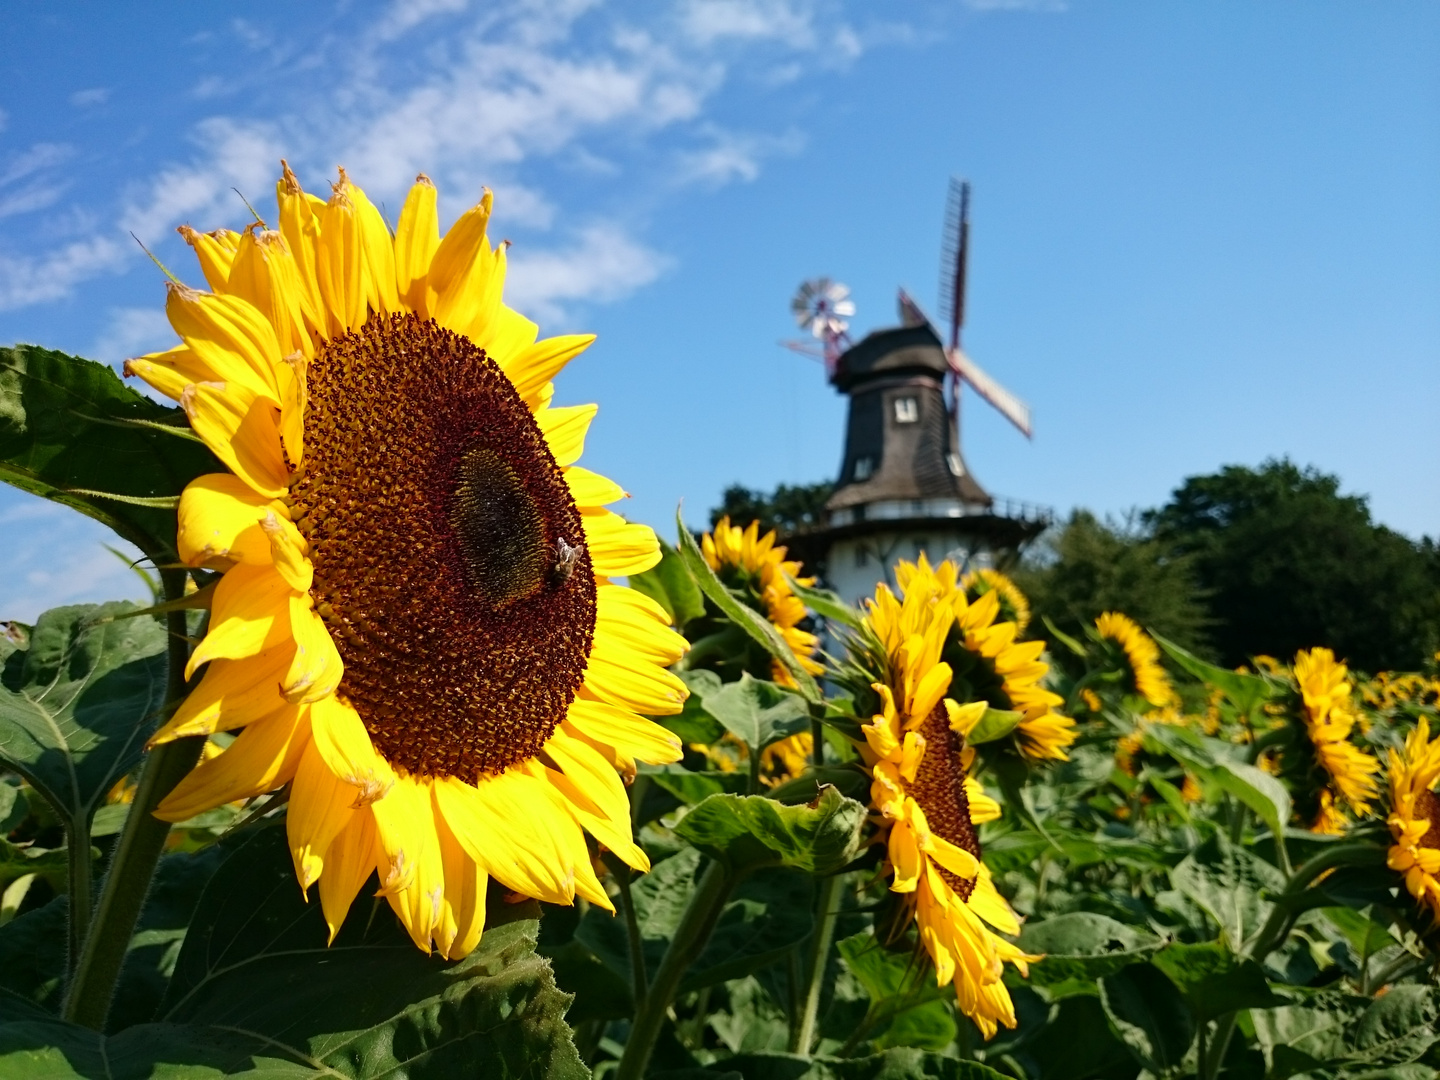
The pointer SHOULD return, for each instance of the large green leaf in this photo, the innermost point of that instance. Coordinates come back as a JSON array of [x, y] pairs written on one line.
[[747, 832], [901, 1063], [1228, 883], [670, 584], [903, 993], [255, 960], [1149, 1013], [1297, 1038], [1214, 981], [1080, 948], [1258, 790], [70, 428], [1398, 1027], [765, 917], [692, 787], [755, 625], [757, 712], [1246, 692], [77, 704], [1075, 1043]]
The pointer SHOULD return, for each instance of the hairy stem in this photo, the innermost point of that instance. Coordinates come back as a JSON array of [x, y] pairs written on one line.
[[696, 925], [77, 850], [639, 978], [138, 850], [828, 908]]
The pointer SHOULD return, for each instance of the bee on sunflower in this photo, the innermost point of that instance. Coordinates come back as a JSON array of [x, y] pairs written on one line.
[[925, 800], [416, 628]]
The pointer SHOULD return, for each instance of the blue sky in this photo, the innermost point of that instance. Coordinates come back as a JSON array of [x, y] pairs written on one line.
[[1203, 234]]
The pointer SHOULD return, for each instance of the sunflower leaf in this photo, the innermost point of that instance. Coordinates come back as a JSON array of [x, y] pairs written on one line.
[[826, 604], [1246, 692], [255, 959], [1150, 1014], [670, 584], [69, 432], [77, 703], [995, 724], [1081, 947], [1229, 883], [753, 623], [748, 832], [757, 712]]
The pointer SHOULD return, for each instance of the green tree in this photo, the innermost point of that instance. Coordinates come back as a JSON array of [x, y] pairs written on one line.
[[1089, 566], [789, 509], [1290, 563]]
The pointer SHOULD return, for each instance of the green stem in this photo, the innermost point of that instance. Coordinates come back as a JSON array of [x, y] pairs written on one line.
[[77, 845], [639, 980], [1219, 1044], [754, 762], [817, 743], [696, 925], [828, 905], [138, 850]]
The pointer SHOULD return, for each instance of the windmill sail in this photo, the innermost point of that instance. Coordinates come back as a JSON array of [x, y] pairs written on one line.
[[954, 257], [1010, 406]]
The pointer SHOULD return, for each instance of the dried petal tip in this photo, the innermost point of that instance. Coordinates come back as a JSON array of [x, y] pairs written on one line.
[[292, 185], [190, 235], [421, 178]]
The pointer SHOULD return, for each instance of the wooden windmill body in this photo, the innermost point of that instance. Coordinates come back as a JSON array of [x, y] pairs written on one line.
[[904, 488]]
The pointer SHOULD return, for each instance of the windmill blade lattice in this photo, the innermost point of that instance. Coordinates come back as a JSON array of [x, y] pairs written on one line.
[[823, 307]]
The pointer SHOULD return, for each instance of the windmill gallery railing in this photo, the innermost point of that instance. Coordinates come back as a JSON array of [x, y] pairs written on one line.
[[910, 509]]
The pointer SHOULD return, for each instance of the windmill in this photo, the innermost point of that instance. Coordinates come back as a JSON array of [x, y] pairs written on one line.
[[954, 260], [904, 487]]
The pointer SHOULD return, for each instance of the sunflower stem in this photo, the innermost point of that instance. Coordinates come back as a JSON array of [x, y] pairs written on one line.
[[77, 850], [639, 978], [828, 908], [696, 925], [138, 850]]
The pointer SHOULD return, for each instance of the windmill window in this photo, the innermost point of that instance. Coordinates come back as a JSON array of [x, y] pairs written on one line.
[[907, 410], [860, 557], [864, 467], [953, 460]]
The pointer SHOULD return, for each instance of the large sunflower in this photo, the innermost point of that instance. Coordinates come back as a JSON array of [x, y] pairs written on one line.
[[930, 805], [1142, 657], [1324, 688], [1415, 815], [753, 563], [986, 658], [415, 628]]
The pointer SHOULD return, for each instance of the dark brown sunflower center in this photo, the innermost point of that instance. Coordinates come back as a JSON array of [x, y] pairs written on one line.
[[450, 563], [939, 788], [1427, 807]]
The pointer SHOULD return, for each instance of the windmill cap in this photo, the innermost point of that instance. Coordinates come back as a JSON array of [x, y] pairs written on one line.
[[903, 350]]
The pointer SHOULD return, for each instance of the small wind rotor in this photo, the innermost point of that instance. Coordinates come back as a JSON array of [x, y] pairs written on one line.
[[823, 307]]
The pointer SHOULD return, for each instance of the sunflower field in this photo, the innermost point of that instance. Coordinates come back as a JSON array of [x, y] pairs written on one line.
[[423, 762]]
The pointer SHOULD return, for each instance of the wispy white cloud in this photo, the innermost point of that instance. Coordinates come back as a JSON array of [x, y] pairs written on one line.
[[604, 264], [66, 559], [84, 99], [732, 156], [132, 332], [35, 279], [708, 21], [1017, 5]]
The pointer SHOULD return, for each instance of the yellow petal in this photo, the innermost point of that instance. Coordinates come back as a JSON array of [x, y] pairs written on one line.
[[349, 861], [592, 489], [340, 265], [532, 368], [231, 694], [264, 275], [301, 229], [636, 737], [378, 250], [170, 371], [249, 614], [317, 668], [220, 518], [465, 884], [239, 428], [515, 849], [287, 551], [229, 336], [215, 251], [342, 741], [416, 238], [614, 677], [564, 429], [263, 757], [618, 547], [459, 248], [321, 804]]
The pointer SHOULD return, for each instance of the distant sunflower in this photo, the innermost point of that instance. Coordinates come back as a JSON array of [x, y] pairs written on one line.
[[1415, 816], [1324, 688], [1142, 657], [416, 628], [992, 665], [752, 562], [928, 803], [1013, 605]]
